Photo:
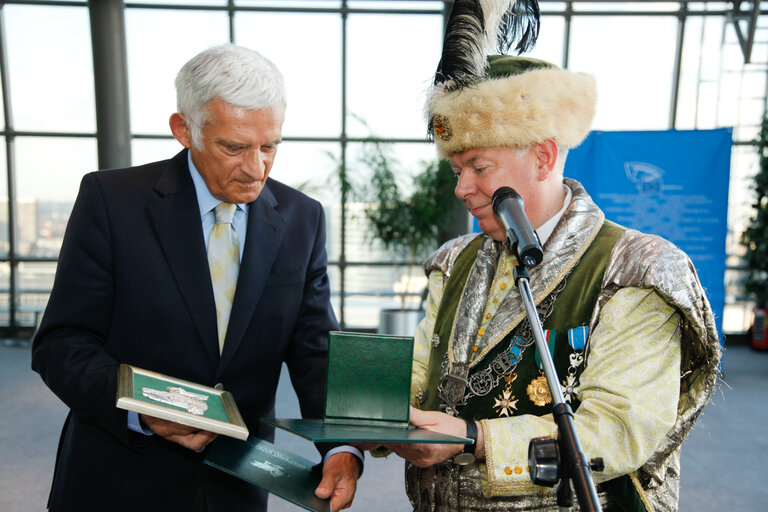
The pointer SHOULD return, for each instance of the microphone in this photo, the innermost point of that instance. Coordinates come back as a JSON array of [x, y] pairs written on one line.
[[509, 208]]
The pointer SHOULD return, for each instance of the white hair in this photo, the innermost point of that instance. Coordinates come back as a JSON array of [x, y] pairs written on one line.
[[562, 155], [236, 75]]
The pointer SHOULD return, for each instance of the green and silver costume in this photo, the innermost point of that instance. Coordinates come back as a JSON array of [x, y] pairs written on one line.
[[648, 367]]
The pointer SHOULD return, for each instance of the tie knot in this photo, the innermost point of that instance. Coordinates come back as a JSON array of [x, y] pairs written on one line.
[[224, 213]]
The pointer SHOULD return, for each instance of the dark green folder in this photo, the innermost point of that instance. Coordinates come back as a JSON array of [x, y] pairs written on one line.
[[265, 465], [367, 394]]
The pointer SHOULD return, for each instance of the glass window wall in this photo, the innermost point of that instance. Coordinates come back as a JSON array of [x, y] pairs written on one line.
[[354, 69], [50, 69]]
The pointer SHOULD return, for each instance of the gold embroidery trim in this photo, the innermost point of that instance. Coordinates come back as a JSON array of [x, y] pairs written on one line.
[[641, 492]]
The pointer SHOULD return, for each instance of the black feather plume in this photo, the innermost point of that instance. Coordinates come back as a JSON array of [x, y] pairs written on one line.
[[462, 44], [520, 22], [475, 26]]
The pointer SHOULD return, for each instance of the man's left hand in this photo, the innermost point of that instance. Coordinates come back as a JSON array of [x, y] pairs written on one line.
[[339, 481]]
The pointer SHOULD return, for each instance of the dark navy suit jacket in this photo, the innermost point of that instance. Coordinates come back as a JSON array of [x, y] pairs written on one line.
[[133, 286]]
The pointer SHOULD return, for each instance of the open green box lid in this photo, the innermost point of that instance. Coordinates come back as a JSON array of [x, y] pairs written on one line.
[[367, 394]]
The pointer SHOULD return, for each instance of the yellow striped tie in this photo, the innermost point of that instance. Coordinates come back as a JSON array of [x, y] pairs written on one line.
[[224, 262]]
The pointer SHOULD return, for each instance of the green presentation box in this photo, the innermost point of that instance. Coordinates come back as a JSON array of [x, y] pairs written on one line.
[[367, 394], [180, 401]]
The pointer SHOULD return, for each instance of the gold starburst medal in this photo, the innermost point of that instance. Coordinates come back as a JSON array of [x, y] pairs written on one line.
[[538, 391]]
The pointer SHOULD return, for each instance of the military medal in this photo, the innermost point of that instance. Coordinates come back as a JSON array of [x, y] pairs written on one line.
[[538, 389], [577, 339], [506, 401], [569, 388]]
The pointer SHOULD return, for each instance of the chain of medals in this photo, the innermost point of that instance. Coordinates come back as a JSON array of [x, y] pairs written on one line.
[[482, 382]]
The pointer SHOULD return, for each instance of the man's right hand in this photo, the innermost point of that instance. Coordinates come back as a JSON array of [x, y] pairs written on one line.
[[188, 437]]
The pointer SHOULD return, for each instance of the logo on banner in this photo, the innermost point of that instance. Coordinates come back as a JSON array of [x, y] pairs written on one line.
[[661, 190], [646, 177]]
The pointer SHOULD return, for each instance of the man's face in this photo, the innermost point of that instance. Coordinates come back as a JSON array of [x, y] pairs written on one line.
[[238, 149], [480, 172]]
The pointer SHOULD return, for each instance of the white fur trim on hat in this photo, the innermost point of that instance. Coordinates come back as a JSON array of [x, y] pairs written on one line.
[[515, 111]]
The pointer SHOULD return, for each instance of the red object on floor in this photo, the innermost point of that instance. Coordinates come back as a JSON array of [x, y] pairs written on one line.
[[760, 330]]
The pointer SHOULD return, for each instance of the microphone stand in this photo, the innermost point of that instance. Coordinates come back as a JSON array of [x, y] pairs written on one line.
[[574, 465]]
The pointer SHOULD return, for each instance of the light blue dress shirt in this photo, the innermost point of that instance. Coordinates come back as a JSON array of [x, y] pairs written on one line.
[[208, 203]]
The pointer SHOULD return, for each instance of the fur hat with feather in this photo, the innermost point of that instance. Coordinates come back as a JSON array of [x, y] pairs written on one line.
[[480, 101]]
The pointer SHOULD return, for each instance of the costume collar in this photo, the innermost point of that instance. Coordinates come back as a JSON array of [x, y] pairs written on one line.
[[573, 233]]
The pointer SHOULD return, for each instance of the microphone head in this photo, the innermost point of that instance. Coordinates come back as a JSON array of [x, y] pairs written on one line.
[[501, 194], [523, 241]]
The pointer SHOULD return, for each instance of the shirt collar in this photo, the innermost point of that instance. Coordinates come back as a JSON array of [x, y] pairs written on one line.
[[205, 199], [546, 229]]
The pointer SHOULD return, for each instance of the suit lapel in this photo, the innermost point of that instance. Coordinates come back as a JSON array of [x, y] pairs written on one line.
[[264, 234], [176, 219]]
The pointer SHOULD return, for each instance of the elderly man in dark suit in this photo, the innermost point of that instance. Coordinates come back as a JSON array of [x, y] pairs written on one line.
[[198, 267]]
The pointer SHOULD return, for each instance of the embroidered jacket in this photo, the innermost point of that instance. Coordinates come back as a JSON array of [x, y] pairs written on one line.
[[637, 386]]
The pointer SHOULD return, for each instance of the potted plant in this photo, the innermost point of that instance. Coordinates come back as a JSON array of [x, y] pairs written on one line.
[[411, 225], [755, 240]]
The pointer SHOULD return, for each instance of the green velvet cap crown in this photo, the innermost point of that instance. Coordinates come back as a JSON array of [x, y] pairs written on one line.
[[500, 66]]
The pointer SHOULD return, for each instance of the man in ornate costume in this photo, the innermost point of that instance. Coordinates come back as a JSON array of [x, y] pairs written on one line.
[[629, 328]]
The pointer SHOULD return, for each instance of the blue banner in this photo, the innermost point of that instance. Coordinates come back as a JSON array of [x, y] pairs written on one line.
[[670, 183]]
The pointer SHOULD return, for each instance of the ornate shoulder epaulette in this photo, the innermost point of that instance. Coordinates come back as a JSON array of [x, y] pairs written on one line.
[[444, 258], [649, 261]]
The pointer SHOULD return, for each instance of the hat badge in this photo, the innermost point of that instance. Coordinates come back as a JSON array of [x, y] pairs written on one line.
[[442, 128]]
